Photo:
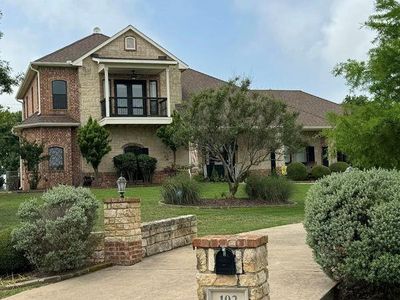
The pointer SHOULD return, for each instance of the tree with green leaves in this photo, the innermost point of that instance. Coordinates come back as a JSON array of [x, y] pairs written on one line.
[[94, 143], [9, 143], [32, 155], [169, 135], [7, 80], [231, 118], [368, 128]]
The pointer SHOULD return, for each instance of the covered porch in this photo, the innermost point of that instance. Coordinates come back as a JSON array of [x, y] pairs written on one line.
[[138, 90]]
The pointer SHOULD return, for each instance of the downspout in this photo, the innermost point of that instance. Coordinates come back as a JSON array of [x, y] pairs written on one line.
[[38, 88]]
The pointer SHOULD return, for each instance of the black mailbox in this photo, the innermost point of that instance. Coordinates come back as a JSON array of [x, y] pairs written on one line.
[[225, 262]]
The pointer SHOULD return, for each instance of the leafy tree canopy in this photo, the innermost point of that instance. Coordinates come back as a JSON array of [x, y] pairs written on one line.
[[9, 143], [367, 130], [94, 143], [232, 119]]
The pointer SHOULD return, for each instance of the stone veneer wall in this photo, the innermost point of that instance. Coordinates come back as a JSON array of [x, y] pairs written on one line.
[[122, 234], [163, 235], [250, 259], [157, 236]]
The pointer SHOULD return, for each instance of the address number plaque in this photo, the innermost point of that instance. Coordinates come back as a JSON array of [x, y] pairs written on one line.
[[227, 294]]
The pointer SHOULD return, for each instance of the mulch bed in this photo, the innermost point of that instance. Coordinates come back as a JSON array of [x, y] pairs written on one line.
[[232, 203]]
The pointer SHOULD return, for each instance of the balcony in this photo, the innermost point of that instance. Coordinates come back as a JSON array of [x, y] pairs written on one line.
[[135, 110]]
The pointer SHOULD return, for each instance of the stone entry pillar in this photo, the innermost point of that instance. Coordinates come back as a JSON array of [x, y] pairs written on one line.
[[122, 232], [251, 278]]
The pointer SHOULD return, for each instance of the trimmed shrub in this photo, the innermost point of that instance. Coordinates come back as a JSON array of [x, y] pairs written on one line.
[[339, 166], [147, 166], [320, 171], [11, 260], [297, 171], [272, 189], [54, 232], [180, 190], [127, 165], [353, 226]]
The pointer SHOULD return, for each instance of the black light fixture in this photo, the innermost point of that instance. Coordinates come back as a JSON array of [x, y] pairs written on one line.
[[121, 184], [134, 76]]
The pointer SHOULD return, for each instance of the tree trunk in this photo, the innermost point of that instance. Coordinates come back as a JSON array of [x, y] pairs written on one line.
[[174, 159], [233, 187], [96, 173]]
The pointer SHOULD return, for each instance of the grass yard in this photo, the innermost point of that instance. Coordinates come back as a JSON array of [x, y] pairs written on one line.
[[210, 221]]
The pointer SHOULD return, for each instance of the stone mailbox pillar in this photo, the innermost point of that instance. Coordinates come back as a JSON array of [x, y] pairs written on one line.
[[250, 281], [122, 233]]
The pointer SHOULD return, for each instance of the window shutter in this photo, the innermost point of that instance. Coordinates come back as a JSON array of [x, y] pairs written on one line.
[[310, 154]]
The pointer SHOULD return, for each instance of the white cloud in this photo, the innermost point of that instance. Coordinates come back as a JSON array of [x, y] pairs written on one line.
[[312, 30], [343, 36]]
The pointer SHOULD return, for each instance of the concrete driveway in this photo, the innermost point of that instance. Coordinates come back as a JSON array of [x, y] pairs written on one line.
[[171, 275]]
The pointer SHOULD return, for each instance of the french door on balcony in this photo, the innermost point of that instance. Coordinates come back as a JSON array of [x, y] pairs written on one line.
[[130, 97]]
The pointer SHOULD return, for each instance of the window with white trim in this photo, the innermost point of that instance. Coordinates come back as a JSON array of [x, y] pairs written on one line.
[[130, 43], [56, 158]]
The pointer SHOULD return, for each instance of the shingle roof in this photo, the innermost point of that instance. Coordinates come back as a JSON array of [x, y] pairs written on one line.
[[312, 109], [41, 121], [75, 50]]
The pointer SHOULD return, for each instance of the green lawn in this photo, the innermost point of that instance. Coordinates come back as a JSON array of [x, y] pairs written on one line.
[[210, 221]]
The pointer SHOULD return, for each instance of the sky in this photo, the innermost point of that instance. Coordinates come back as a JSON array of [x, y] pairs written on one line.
[[278, 44]]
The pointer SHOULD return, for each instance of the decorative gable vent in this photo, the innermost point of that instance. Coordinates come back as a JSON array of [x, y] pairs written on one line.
[[130, 43]]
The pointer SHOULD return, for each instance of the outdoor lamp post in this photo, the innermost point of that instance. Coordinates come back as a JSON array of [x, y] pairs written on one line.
[[121, 184]]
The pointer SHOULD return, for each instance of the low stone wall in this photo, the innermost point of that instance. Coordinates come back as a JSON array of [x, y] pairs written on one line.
[[157, 236], [163, 235]]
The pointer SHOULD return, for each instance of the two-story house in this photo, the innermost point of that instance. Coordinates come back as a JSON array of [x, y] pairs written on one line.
[[131, 85]]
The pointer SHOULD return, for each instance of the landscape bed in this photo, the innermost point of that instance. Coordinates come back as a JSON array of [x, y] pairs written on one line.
[[210, 221]]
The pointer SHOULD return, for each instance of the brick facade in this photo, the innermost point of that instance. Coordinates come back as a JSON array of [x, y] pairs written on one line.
[[64, 137], [70, 75]]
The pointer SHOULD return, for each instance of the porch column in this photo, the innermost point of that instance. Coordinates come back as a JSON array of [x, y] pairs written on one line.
[[107, 91], [168, 92]]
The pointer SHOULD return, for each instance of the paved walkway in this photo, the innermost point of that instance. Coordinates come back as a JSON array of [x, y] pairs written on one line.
[[171, 275]]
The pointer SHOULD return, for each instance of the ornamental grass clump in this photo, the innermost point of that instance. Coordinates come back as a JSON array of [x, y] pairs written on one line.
[[353, 226], [180, 190], [55, 230], [271, 189]]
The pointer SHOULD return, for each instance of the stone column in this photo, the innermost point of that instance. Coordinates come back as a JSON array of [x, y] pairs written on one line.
[[251, 265], [122, 233]]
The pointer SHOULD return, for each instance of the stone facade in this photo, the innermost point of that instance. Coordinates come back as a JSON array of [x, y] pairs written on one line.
[[156, 236], [122, 233], [250, 259], [164, 235]]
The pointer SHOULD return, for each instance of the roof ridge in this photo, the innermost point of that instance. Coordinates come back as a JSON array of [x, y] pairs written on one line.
[[69, 45]]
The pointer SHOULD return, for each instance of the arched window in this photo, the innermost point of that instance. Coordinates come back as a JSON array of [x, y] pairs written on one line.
[[59, 91], [56, 158], [130, 43], [136, 149]]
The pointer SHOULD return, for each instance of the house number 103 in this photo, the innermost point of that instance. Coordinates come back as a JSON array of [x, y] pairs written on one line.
[[228, 297]]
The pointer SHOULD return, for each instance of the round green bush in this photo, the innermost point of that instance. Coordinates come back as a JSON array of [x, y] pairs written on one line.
[[297, 171], [339, 166], [272, 189], [11, 260], [126, 164], [180, 190], [320, 171], [147, 165], [353, 226], [54, 232]]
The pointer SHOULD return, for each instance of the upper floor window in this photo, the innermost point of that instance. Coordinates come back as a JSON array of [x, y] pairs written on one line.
[[56, 158], [59, 91], [130, 43]]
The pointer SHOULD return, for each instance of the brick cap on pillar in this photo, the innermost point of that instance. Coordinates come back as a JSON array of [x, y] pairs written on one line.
[[231, 241], [122, 200]]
